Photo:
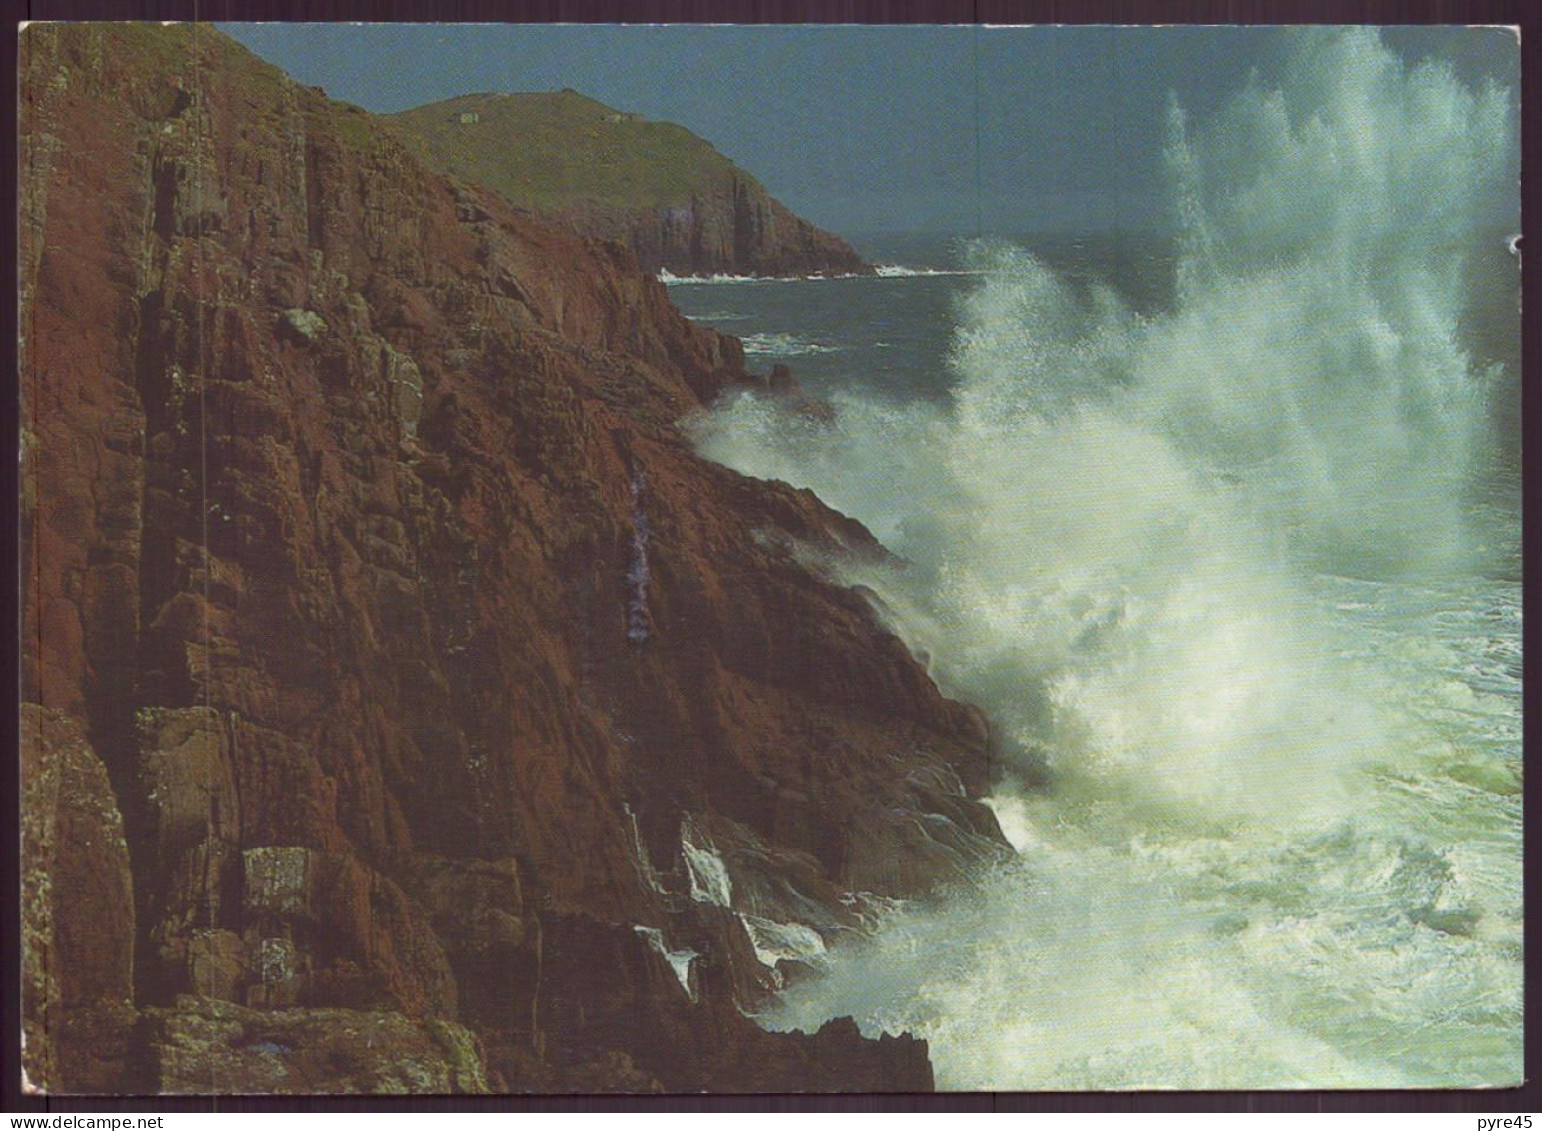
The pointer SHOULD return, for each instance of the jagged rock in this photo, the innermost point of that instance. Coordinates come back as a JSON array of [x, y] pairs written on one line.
[[77, 918], [781, 380], [352, 624], [612, 1071], [405, 382], [302, 326], [216, 964], [606, 987], [213, 1047], [326, 929], [477, 909]]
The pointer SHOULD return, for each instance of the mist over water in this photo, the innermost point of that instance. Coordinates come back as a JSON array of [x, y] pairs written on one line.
[[1233, 580]]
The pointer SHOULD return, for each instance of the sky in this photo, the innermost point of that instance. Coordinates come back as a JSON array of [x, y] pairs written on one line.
[[959, 130]]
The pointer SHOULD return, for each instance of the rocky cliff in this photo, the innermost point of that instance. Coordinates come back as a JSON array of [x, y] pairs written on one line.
[[678, 203], [407, 707]]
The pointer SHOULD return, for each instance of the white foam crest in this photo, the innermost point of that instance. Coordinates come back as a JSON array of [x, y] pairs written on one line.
[[1117, 537], [1182, 962], [708, 875], [881, 270], [645, 870], [670, 279], [679, 960], [898, 271], [782, 345]]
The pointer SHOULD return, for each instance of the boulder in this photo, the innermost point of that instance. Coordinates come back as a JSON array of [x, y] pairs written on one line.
[[77, 920], [204, 1047]]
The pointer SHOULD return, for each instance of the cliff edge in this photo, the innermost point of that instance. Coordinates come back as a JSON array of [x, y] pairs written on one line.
[[406, 706], [678, 203]]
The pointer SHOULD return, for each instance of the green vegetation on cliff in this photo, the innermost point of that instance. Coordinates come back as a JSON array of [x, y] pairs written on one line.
[[548, 151]]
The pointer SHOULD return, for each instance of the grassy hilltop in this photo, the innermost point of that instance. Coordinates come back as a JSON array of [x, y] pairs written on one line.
[[545, 151], [668, 194]]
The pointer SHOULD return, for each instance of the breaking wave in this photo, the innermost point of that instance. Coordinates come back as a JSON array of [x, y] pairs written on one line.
[[895, 271], [782, 345], [1222, 578]]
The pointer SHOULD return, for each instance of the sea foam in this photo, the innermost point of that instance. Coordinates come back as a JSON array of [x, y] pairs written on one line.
[[1128, 537]]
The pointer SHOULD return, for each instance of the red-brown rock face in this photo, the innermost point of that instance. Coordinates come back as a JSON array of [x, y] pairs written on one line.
[[78, 911], [440, 687], [740, 229], [653, 186]]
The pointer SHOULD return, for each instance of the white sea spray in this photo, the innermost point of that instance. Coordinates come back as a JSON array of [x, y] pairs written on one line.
[[1216, 572], [777, 942], [705, 870], [679, 960]]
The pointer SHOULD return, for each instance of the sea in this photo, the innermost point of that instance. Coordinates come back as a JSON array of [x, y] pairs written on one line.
[[1222, 530]]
